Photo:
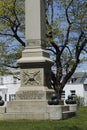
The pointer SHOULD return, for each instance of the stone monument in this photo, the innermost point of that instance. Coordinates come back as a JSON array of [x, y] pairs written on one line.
[[35, 63], [33, 95]]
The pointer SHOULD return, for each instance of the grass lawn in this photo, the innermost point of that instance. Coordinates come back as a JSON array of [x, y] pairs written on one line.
[[76, 123]]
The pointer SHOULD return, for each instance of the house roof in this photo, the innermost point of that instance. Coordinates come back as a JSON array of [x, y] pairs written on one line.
[[78, 78]]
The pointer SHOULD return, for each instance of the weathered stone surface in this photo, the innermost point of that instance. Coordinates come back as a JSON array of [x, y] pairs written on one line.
[[73, 107], [2, 109], [31, 77], [27, 106], [26, 115], [35, 21], [26, 95], [34, 93], [55, 112]]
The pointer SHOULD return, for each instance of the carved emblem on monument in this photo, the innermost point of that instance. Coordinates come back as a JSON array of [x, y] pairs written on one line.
[[31, 78]]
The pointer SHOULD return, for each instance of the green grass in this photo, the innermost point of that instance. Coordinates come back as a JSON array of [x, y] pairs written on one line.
[[76, 123]]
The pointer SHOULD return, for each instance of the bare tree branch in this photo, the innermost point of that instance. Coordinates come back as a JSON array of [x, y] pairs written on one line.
[[69, 27], [4, 34], [67, 38], [66, 11], [51, 50]]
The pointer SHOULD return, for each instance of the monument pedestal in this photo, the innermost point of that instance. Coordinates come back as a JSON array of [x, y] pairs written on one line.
[[34, 93], [35, 90]]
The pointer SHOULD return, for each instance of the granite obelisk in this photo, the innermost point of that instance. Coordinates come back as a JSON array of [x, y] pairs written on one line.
[[35, 62]]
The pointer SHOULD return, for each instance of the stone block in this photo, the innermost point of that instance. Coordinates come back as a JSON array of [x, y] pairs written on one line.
[[55, 112], [65, 108], [27, 106], [73, 107], [2, 109], [68, 114], [30, 116]]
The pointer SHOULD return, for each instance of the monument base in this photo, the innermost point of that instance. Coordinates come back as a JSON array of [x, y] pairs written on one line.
[[44, 112], [32, 103], [26, 106]]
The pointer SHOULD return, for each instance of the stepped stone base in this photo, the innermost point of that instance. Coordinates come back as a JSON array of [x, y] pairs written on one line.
[[25, 115], [68, 114], [42, 112]]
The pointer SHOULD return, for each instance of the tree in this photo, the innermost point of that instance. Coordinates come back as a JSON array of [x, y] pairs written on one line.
[[11, 32], [12, 19], [66, 36], [8, 59]]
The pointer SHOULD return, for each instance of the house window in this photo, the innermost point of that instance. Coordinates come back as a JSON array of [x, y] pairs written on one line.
[[11, 97], [14, 80], [63, 94], [73, 92], [1, 80]]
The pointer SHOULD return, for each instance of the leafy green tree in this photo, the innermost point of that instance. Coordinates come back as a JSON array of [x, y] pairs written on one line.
[[12, 28], [12, 20], [8, 58], [67, 38]]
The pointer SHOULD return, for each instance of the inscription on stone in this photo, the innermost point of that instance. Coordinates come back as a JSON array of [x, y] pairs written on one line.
[[30, 95]]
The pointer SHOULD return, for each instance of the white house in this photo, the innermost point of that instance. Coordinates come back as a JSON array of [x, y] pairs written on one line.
[[9, 85], [78, 84]]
